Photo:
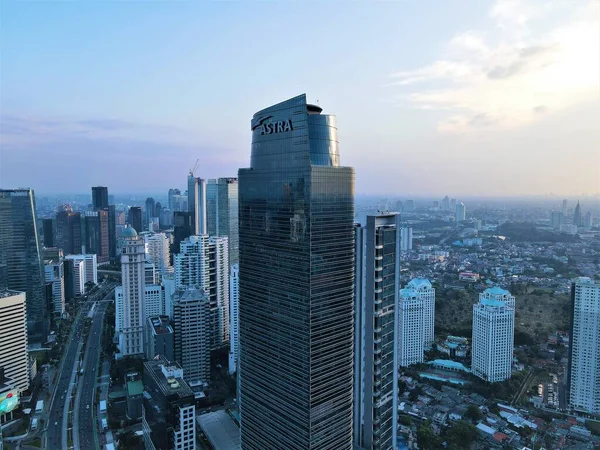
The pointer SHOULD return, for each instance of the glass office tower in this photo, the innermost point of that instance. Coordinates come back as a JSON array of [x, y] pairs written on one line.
[[296, 251], [21, 265]]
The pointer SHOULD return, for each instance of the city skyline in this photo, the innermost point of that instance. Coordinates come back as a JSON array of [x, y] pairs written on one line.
[[418, 106]]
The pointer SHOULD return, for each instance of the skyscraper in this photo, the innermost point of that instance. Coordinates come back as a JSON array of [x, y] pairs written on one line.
[[557, 219], [493, 335], [234, 318], [149, 212], [411, 335], [191, 327], [97, 235], [48, 228], [589, 220], [423, 289], [376, 349], [222, 212], [13, 338], [158, 251], [583, 379], [135, 218], [446, 203], [68, 231], [197, 204], [461, 212], [99, 197], [564, 206], [54, 274], [202, 263], [296, 282], [578, 216], [406, 234], [112, 231], [130, 312], [21, 265]]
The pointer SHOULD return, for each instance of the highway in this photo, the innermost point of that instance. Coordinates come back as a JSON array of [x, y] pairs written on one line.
[[84, 422], [57, 416]]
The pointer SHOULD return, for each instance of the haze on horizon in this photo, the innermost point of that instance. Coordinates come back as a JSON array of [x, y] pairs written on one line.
[[500, 98]]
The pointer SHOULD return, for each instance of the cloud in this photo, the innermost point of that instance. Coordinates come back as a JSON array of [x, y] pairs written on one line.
[[538, 53]]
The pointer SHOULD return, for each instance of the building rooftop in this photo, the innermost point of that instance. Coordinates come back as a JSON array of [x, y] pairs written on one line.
[[135, 387], [448, 364], [419, 283], [160, 325], [490, 302], [221, 430], [129, 232], [8, 293], [168, 376], [496, 290]]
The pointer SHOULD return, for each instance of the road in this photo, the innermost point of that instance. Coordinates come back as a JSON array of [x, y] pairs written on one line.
[[56, 419], [84, 422]]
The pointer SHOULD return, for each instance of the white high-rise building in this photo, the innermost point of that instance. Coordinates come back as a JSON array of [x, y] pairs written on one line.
[[410, 327], [54, 273], [90, 266], [583, 381], [191, 327], [130, 313], [13, 338], [406, 236], [423, 288], [461, 212], [234, 318], [203, 263], [158, 251], [377, 274], [493, 335]]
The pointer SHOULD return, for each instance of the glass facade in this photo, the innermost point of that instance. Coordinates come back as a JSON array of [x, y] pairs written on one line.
[[21, 265], [296, 251], [222, 212]]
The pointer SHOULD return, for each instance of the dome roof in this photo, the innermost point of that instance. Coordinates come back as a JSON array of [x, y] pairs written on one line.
[[129, 232]]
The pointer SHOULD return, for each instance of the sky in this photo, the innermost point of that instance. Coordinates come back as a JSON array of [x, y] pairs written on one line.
[[458, 98]]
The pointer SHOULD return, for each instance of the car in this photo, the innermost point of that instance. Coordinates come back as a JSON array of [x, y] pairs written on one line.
[[55, 423]]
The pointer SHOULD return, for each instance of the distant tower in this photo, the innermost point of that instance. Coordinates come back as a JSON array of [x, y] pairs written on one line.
[[149, 211], [446, 203], [135, 218], [99, 197], [564, 206], [130, 313], [583, 383], [406, 234], [461, 212], [577, 216], [410, 328], [222, 212], [158, 251], [493, 335], [197, 204], [68, 231], [426, 293]]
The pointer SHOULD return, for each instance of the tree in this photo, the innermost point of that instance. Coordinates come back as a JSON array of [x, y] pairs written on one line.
[[461, 435], [427, 439], [473, 413]]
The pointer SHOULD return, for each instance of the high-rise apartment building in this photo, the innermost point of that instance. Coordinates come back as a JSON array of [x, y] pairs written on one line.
[[234, 318], [68, 231], [446, 203], [588, 221], [426, 292], [583, 379], [54, 274], [135, 218], [406, 234], [169, 407], [197, 204], [565, 202], [203, 263], [192, 328], [112, 231], [222, 212], [130, 312], [158, 251], [461, 212], [376, 349], [21, 265], [411, 336], [493, 335], [296, 283], [99, 197], [14, 357]]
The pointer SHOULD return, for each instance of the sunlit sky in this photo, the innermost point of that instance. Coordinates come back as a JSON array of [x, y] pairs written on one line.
[[432, 97]]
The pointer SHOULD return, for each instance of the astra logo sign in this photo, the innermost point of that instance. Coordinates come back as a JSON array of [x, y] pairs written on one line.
[[271, 127]]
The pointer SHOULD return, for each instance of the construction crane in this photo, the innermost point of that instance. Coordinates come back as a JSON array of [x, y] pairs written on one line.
[[195, 167]]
